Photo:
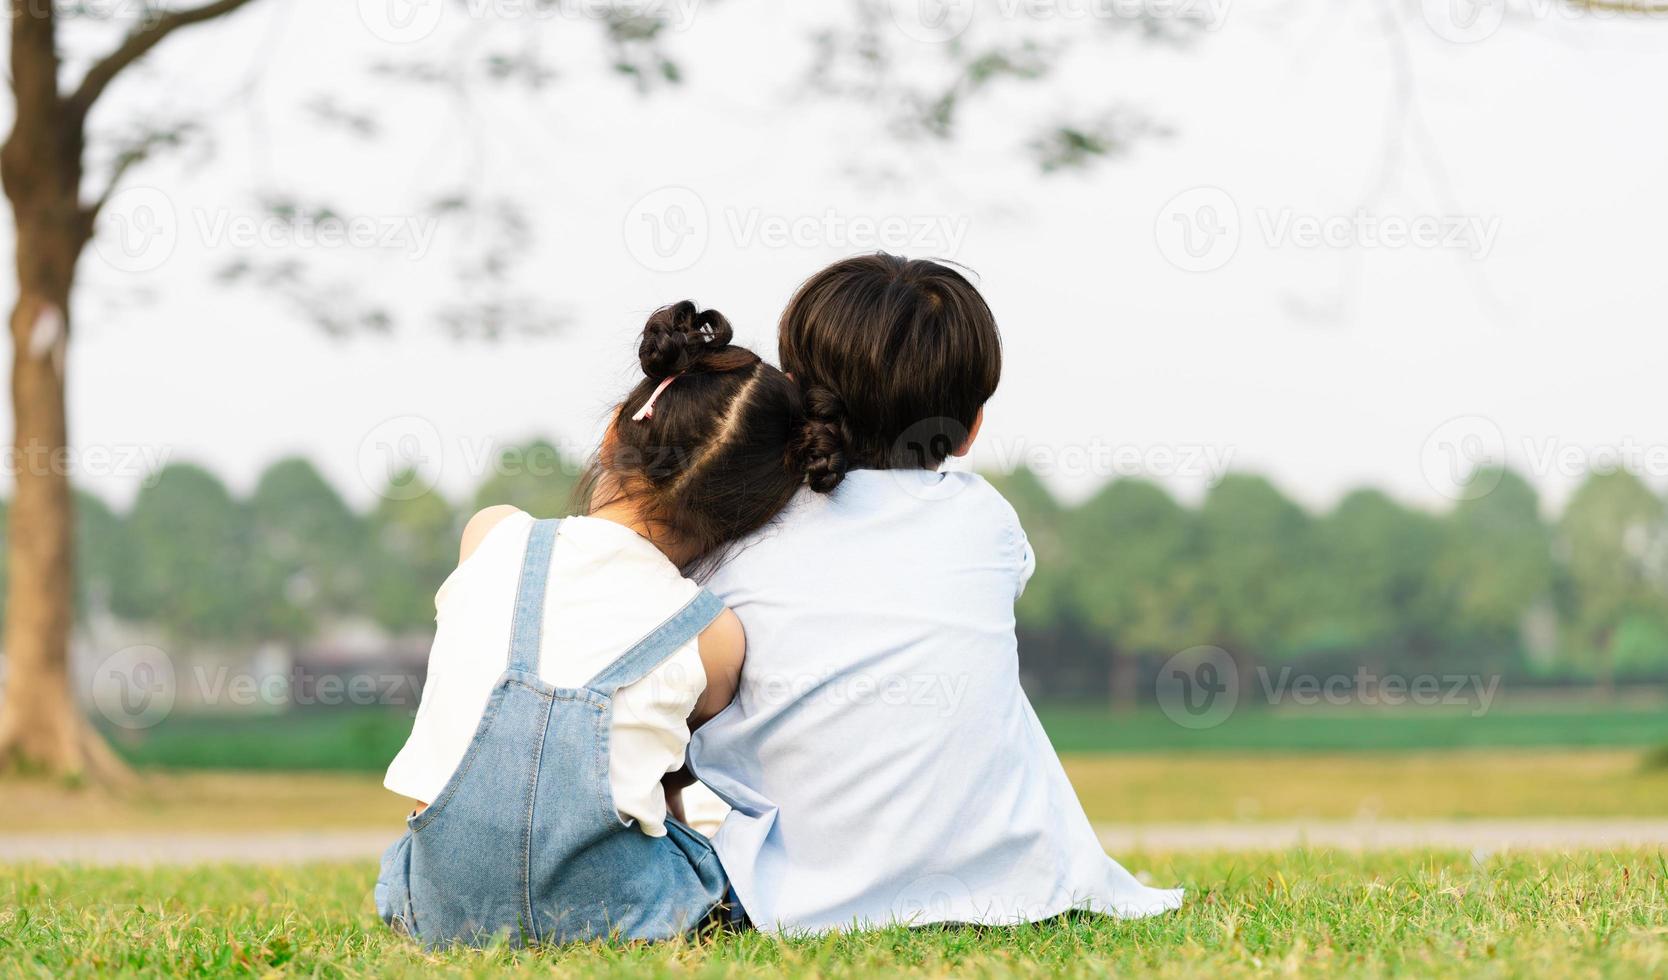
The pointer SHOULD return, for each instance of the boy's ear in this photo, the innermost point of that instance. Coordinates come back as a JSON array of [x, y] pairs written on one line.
[[967, 444]]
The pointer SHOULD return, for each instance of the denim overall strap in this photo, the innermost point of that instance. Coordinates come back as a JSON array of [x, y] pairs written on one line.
[[528, 626], [652, 650]]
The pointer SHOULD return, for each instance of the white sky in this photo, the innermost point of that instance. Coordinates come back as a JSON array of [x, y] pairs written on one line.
[[1323, 367]]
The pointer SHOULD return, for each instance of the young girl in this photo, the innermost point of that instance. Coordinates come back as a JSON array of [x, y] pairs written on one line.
[[572, 658]]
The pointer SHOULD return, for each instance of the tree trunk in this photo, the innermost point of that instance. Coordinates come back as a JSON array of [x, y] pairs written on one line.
[[41, 727]]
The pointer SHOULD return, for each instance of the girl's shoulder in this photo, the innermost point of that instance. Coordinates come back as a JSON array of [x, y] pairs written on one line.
[[491, 541], [476, 530]]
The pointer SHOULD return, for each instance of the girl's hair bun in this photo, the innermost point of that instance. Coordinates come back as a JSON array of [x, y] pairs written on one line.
[[676, 336], [819, 450]]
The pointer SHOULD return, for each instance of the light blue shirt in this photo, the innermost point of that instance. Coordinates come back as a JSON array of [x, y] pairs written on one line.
[[883, 763]]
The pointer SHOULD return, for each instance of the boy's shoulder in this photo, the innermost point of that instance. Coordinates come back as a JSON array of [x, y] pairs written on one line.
[[958, 503], [876, 531], [971, 499], [982, 493]]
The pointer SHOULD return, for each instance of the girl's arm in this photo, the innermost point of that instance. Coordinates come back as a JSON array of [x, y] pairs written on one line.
[[723, 648], [473, 534]]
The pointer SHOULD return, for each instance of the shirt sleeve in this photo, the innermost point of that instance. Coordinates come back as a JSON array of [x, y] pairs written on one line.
[[1027, 559]]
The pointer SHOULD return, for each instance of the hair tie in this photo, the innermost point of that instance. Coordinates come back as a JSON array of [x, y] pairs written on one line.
[[647, 411]]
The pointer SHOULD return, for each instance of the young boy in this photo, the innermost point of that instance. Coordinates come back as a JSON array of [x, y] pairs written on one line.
[[883, 764]]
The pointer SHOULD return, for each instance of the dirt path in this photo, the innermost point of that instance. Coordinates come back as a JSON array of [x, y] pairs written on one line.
[[197, 847], [292, 847], [1472, 835]]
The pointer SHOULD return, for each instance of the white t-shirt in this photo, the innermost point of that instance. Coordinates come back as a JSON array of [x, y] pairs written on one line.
[[608, 588], [883, 761]]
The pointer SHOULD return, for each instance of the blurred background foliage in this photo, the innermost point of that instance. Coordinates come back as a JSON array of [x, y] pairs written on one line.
[[1125, 578]]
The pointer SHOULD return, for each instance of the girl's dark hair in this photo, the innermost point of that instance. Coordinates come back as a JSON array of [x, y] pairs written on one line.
[[725, 447], [896, 357]]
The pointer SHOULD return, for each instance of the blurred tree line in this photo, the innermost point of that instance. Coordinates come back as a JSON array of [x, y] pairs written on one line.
[[1130, 577], [203, 566], [1124, 579]]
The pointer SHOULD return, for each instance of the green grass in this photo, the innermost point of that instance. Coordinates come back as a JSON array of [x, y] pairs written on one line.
[[1094, 729], [346, 740], [1306, 912], [364, 740]]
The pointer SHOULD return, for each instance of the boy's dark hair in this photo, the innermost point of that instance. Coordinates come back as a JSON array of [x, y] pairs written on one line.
[[723, 450], [896, 357]]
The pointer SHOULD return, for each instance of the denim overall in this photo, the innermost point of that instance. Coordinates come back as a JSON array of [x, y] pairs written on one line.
[[524, 841]]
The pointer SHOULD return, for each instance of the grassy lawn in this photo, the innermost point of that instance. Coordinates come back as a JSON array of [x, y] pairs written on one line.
[[1302, 911], [1114, 787]]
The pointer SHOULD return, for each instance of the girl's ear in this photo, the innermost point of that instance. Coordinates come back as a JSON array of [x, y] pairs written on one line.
[[967, 444]]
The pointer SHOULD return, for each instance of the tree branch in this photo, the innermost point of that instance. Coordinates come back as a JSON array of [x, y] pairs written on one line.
[[124, 162], [145, 37]]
